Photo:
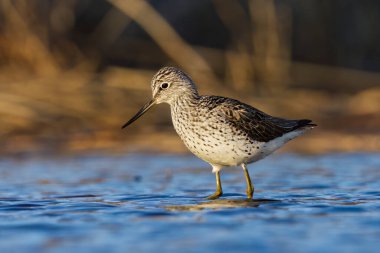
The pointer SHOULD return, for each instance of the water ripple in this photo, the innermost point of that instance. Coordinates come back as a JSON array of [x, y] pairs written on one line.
[[109, 204]]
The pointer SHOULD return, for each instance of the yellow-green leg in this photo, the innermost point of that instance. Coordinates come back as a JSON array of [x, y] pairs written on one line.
[[250, 188], [218, 191]]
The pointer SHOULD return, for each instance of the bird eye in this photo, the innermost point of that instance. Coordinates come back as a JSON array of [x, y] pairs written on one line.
[[164, 85]]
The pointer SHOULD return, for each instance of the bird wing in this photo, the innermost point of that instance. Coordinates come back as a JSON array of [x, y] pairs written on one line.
[[258, 125]]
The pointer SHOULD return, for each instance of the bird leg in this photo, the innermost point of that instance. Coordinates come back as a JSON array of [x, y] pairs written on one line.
[[218, 191], [250, 188]]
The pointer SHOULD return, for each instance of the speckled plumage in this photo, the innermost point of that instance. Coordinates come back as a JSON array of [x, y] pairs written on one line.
[[221, 131], [226, 132]]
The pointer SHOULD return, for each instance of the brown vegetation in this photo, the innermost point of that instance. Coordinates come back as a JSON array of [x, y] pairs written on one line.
[[58, 96]]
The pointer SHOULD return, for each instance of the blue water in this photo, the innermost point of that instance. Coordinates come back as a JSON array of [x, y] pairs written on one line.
[[154, 203]]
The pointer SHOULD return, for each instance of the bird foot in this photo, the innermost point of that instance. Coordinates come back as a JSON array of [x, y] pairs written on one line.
[[216, 195], [249, 192]]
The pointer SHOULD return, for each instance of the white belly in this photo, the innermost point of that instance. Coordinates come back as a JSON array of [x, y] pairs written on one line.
[[219, 144], [229, 149], [224, 149]]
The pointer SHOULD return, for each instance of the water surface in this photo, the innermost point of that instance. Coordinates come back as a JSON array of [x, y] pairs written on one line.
[[155, 203]]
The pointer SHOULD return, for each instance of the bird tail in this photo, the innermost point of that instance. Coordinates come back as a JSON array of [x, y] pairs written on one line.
[[302, 123]]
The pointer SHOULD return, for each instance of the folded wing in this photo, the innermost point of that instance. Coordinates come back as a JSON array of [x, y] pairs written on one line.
[[256, 124]]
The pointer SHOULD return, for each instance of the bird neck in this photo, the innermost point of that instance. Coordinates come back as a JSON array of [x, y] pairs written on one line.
[[185, 100]]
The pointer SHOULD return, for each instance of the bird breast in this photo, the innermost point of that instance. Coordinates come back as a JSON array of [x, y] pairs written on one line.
[[211, 138]]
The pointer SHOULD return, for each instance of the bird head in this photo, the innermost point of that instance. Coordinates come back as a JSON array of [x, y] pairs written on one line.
[[168, 85]]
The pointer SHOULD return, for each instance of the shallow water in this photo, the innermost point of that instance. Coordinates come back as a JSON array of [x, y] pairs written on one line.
[[154, 203]]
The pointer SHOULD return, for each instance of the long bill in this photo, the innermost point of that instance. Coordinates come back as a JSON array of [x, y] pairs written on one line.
[[143, 110]]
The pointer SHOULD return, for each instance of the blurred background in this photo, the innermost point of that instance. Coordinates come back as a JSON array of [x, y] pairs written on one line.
[[72, 72]]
